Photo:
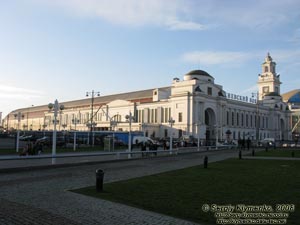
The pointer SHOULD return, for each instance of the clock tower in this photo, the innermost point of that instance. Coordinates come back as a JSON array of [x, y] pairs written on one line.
[[268, 80]]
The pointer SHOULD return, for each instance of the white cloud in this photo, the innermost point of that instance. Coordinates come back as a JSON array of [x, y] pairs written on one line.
[[213, 57], [11, 92], [181, 25], [253, 14], [250, 90], [288, 57], [184, 14], [132, 12]]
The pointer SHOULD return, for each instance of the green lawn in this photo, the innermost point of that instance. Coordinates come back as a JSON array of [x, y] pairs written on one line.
[[279, 153], [182, 193]]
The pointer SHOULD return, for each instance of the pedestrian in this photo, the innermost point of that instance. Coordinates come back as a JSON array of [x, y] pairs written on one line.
[[248, 143]]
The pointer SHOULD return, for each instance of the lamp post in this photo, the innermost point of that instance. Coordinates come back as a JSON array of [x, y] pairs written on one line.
[[75, 122], [18, 116], [257, 115], [217, 135], [44, 126], [55, 108], [113, 124], [171, 122], [198, 135], [92, 124], [143, 127], [130, 118]]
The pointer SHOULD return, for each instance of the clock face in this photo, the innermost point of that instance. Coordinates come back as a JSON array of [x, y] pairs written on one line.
[[265, 89]]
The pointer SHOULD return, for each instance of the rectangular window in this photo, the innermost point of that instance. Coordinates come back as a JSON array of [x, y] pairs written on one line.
[[152, 115], [166, 115], [180, 117], [242, 120], [166, 133], [209, 91], [228, 118]]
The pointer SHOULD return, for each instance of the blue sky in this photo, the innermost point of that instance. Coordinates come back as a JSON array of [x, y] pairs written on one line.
[[59, 49]]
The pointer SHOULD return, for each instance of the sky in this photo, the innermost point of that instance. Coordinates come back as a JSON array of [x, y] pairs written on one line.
[[61, 49]]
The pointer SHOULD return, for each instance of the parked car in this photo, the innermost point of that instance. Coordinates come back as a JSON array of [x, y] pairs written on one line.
[[268, 142]]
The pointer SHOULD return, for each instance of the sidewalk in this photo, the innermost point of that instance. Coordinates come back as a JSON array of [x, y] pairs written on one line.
[[10, 163]]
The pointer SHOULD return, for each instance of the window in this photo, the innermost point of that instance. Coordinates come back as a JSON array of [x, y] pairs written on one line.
[[232, 119], [242, 120], [180, 117], [227, 118], [237, 119], [266, 69], [209, 91], [166, 133], [166, 115], [265, 89]]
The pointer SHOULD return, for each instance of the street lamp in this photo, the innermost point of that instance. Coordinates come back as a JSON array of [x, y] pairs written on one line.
[[113, 124], [198, 134], [18, 116], [44, 126], [55, 108], [171, 122], [91, 125], [130, 118], [217, 135], [75, 122], [257, 115], [144, 132]]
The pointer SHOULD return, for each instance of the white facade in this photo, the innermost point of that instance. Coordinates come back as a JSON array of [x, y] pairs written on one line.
[[198, 106]]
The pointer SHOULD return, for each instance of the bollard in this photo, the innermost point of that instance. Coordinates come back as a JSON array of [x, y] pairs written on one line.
[[99, 180], [293, 154], [205, 162], [240, 154], [253, 152]]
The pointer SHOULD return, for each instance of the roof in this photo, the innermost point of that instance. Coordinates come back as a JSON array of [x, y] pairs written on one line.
[[292, 96], [135, 96], [198, 72]]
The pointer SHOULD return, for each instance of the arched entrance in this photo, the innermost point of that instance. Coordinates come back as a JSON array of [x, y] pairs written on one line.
[[210, 122]]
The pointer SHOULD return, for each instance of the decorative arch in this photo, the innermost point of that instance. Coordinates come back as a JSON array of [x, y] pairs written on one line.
[[210, 122]]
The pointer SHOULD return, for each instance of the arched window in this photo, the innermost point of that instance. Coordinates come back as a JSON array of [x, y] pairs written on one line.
[[266, 69], [242, 119]]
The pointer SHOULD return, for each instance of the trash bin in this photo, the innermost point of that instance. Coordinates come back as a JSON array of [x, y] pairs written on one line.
[[99, 180], [205, 162]]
